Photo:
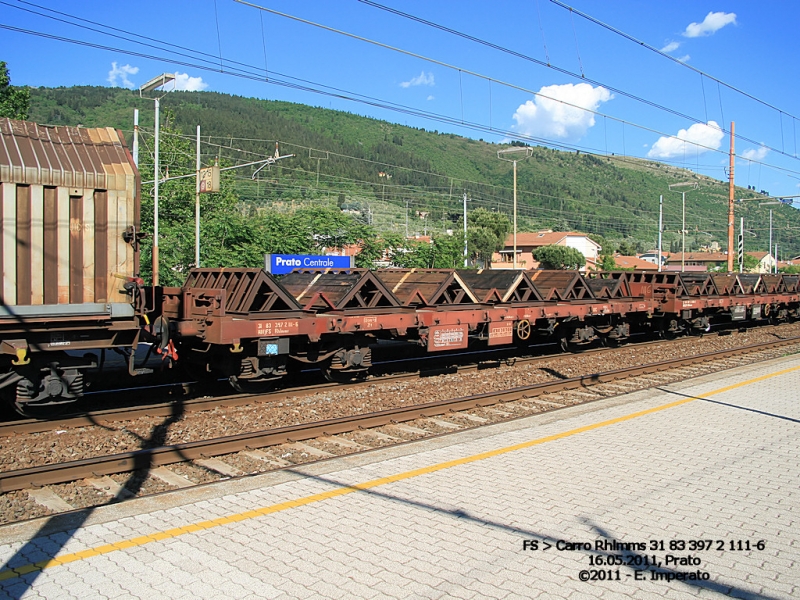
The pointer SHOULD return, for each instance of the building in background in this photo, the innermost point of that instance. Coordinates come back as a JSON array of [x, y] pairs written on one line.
[[652, 257], [528, 242], [766, 262], [718, 261], [635, 263]]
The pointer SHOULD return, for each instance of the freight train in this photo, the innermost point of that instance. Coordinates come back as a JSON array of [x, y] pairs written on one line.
[[70, 292]]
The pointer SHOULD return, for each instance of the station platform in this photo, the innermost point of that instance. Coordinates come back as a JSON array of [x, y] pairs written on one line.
[[691, 490]]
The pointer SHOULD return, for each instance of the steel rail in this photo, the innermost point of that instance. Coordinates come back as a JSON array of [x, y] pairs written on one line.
[[150, 458]]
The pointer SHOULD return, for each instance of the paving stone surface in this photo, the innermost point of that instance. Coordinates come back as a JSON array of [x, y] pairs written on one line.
[[681, 492]]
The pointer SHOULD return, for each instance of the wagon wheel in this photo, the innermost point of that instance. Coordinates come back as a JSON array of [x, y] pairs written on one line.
[[344, 375], [252, 386], [347, 365], [351, 374], [667, 333], [17, 396], [523, 329], [570, 346]]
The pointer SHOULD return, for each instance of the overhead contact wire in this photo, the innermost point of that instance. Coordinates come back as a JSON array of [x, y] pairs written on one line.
[[564, 71], [659, 52], [342, 94], [460, 69]]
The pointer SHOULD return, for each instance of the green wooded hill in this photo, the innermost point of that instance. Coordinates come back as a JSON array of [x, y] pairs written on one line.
[[340, 157]]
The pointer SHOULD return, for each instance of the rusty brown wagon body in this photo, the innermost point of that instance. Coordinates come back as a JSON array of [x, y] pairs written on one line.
[[69, 209]]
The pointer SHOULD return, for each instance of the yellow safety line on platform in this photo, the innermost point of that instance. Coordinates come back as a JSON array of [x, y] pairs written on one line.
[[268, 510]]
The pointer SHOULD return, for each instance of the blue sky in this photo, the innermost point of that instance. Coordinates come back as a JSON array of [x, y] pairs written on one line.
[[746, 45]]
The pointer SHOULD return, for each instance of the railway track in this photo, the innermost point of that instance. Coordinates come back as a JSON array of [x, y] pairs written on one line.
[[126, 412], [369, 430], [165, 409]]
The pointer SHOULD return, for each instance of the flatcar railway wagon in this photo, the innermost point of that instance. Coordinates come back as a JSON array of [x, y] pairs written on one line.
[[69, 208], [693, 302], [246, 325]]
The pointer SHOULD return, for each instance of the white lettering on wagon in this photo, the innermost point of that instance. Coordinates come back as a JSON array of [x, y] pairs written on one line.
[[270, 328], [502, 333], [447, 337]]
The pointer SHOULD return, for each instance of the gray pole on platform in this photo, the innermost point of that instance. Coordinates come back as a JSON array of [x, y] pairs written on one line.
[[197, 207], [660, 227], [465, 230]]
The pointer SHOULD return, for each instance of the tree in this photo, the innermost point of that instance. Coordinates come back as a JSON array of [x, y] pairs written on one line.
[[233, 234], [497, 223], [750, 263], [444, 253], [482, 242], [607, 246], [371, 249], [486, 233], [448, 251], [559, 257], [627, 248], [14, 101], [607, 262], [329, 227], [408, 254]]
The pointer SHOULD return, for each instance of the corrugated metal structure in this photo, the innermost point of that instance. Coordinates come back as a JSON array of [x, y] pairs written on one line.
[[67, 196]]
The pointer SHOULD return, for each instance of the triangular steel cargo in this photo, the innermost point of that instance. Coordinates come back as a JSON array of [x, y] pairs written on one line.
[[773, 284], [608, 284], [355, 289], [412, 287], [792, 283], [699, 284], [749, 283], [319, 291], [523, 290], [561, 285], [725, 283], [497, 286], [666, 284], [368, 292], [453, 290], [247, 291]]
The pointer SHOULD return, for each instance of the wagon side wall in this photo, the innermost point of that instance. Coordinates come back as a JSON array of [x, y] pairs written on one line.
[[67, 195]]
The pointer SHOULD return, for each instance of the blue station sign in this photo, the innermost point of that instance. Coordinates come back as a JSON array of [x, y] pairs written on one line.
[[280, 264]]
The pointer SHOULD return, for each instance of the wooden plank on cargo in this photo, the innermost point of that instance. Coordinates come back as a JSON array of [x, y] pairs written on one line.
[[63, 237], [23, 238], [88, 246], [101, 250], [37, 244], [50, 245], [76, 249], [3, 188]]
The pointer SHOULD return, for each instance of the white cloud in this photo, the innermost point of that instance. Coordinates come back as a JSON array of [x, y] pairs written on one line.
[[547, 115], [430, 98], [422, 79], [684, 58], [697, 139], [713, 22], [188, 84], [121, 73], [755, 153], [671, 47]]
